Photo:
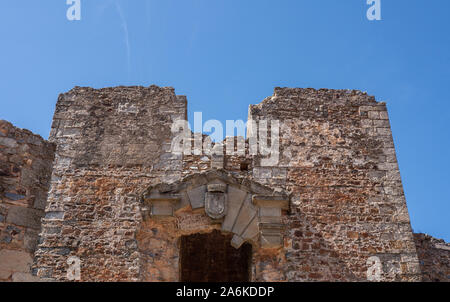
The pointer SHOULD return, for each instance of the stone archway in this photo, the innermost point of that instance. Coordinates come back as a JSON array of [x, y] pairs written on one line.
[[243, 211]]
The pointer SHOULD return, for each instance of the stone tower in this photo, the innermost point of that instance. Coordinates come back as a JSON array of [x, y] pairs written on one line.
[[331, 206]]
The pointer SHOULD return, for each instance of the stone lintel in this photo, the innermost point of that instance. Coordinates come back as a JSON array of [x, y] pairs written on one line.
[[162, 206]]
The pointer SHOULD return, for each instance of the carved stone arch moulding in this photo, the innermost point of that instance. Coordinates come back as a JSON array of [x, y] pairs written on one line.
[[251, 211]]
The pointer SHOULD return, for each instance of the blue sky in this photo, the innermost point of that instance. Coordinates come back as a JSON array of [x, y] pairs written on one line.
[[227, 54]]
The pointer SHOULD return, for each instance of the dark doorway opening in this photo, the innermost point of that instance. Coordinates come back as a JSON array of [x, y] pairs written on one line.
[[211, 258]]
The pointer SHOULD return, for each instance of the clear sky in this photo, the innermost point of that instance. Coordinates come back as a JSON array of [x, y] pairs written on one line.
[[227, 54]]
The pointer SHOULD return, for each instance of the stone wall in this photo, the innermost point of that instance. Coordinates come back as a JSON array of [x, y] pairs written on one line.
[[338, 162], [434, 258], [25, 169], [111, 145]]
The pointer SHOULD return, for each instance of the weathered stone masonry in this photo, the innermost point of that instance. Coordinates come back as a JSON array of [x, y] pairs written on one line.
[[25, 169], [338, 161], [111, 145], [434, 258], [121, 201]]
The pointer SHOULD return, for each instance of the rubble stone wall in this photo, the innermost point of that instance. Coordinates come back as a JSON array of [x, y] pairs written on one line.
[[434, 258], [25, 169], [111, 144], [338, 162]]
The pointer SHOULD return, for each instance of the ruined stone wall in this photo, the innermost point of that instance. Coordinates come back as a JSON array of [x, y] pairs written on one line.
[[25, 169], [111, 144], [434, 258], [347, 204], [337, 163]]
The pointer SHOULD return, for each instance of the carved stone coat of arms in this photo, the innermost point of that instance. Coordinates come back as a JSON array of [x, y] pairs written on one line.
[[216, 204]]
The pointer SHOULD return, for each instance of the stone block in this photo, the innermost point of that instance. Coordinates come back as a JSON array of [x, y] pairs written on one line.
[[184, 201], [384, 131], [25, 217], [366, 123], [381, 123], [54, 215], [252, 230], [235, 199], [8, 142], [388, 166], [384, 115], [163, 205], [374, 115], [269, 211], [14, 196], [197, 197], [24, 277], [162, 209], [366, 108], [237, 241], [245, 216], [217, 188], [14, 261]]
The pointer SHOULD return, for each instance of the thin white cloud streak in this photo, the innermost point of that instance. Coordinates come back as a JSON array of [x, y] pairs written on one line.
[[127, 38]]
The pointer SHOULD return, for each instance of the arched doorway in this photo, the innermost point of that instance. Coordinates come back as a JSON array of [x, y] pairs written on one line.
[[204, 227], [211, 258]]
